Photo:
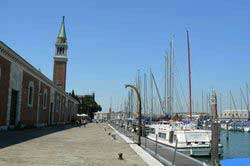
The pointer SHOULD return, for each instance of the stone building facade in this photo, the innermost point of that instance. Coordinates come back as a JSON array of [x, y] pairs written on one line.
[[28, 97], [235, 114]]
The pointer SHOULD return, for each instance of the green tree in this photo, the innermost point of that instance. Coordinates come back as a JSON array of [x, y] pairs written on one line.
[[89, 106]]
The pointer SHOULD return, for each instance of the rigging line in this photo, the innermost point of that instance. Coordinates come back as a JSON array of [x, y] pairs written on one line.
[[244, 99], [158, 93], [182, 90], [178, 99], [177, 94], [235, 108]]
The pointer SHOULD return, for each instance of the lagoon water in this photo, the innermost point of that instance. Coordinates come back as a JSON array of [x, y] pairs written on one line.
[[238, 145]]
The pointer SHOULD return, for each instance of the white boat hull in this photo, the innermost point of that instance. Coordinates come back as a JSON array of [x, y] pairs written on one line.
[[246, 129], [188, 150], [199, 152]]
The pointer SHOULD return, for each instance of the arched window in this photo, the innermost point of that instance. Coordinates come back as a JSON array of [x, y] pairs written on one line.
[[60, 50], [31, 94], [45, 96]]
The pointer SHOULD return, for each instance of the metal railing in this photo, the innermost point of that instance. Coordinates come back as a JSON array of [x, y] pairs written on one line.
[[151, 146]]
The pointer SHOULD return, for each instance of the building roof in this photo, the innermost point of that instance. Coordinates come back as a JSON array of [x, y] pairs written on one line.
[[62, 32], [4, 48]]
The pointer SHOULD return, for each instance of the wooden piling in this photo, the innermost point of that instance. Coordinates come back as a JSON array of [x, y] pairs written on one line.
[[215, 161]]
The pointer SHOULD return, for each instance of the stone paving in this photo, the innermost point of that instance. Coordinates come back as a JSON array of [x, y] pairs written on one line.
[[91, 146]]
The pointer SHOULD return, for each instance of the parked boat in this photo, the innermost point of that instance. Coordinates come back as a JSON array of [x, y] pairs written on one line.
[[237, 126], [190, 141], [246, 126]]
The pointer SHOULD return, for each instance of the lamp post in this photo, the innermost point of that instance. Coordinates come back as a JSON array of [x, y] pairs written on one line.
[[139, 112]]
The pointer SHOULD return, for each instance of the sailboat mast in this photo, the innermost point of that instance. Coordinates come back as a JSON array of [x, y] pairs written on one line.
[[152, 95], [202, 100], [189, 79], [145, 94], [166, 84], [247, 101], [171, 86]]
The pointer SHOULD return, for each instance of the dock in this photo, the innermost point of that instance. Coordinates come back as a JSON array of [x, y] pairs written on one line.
[[162, 152]]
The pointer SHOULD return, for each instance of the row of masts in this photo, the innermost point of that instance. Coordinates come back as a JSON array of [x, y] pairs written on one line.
[[200, 104], [172, 99], [167, 102]]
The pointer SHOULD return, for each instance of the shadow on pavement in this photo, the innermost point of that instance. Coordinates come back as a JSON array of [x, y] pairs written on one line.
[[8, 138]]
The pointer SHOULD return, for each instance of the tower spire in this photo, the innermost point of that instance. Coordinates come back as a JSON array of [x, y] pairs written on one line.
[[60, 58], [62, 32]]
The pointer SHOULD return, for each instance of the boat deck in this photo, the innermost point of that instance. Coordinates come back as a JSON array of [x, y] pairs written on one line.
[[162, 152], [166, 154]]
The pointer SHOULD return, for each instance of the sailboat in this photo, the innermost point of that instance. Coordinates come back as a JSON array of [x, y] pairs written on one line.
[[182, 135]]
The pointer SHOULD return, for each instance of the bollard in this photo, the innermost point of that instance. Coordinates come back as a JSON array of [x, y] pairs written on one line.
[[120, 156], [143, 130], [227, 133], [145, 142], [175, 149], [113, 136], [125, 131], [156, 144]]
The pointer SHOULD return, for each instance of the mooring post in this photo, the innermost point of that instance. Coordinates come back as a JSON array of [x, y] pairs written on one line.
[[156, 144], [227, 132], [175, 149], [215, 161], [143, 129]]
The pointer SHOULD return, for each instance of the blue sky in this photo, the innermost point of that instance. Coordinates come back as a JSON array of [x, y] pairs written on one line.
[[110, 40]]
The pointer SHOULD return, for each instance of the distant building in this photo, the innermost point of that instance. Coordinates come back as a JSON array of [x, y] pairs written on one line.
[[101, 116], [234, 114], [117, 115]]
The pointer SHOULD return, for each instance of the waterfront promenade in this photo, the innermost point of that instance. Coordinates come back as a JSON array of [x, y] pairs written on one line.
[[68, 145]]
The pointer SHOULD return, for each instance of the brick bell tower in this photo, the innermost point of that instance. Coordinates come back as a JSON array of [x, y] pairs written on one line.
[[60, 58]]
